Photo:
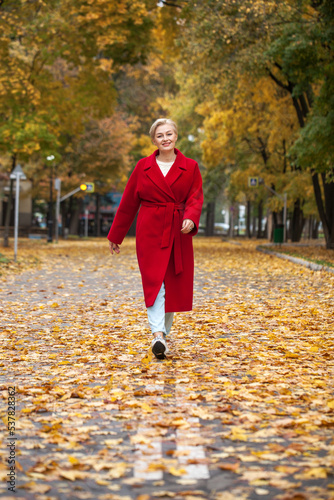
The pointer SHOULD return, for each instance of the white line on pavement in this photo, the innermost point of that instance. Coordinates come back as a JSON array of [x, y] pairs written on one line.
[[151, 452], [145, 455], [148, 453], [188, 451], [193, 471]]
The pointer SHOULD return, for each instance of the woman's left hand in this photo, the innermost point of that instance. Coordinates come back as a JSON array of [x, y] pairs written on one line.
[[187, 226]]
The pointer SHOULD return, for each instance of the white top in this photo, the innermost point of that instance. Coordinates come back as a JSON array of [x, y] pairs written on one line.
[[164, 166]]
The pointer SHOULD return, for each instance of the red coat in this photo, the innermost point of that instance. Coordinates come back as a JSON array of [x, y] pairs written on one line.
[[163, 252]]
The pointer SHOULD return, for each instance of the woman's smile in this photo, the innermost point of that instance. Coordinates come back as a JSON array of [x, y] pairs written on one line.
[[165, 138]]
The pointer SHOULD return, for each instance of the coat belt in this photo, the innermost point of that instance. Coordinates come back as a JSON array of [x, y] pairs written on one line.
[[172, 222]]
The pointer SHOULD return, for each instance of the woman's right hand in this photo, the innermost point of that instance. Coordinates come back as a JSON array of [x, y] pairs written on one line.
[[113, 247]]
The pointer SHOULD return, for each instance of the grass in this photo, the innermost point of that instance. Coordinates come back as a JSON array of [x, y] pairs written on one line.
[[313, 253], [28, 257], [321, 262], [4, 259]]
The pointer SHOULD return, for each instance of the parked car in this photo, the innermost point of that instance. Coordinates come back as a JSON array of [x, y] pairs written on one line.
[[221, 228]]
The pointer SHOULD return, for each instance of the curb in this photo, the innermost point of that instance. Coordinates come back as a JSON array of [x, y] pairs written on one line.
[[302, 262]]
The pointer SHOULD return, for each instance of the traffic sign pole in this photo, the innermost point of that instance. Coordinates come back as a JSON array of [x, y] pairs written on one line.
[[17, 175], [71, 193]]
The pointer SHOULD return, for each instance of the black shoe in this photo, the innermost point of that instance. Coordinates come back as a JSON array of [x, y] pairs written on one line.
[[159, 347]]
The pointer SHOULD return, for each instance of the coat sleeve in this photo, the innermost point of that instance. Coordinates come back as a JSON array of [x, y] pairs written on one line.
[[194, 201], [126, 211]]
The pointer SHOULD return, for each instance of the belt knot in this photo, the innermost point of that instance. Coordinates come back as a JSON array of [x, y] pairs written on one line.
[[172, 221]]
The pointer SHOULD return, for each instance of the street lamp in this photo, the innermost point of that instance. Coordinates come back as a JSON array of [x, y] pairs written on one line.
[[50, 211]]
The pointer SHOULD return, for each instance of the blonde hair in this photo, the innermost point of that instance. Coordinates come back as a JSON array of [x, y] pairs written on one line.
[[162, 121]]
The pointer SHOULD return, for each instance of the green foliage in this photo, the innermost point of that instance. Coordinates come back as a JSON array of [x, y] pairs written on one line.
[[315, 146], [260, 75]]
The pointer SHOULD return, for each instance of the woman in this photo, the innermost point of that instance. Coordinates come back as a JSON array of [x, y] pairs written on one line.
[[167, 187]]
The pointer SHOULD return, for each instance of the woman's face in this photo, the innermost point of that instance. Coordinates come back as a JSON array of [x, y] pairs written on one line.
[[165, 137]]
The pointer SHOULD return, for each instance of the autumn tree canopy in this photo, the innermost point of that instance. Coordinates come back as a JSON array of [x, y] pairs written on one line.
[[250, 84], [287, 47], [58, 61]]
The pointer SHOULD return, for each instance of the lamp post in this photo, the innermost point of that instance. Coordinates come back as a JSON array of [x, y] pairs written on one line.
[[58, 189], [50, 211]]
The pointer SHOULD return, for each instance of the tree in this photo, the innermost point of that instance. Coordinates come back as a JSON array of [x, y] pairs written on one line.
[[289, 42], [58, 59], [102, 153]]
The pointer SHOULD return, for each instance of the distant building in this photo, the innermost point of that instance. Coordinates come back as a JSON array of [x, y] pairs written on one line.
[[109, 204], [25, 214]]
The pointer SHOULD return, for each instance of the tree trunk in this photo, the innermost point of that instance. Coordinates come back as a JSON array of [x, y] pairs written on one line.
[[70, 209], [315, 230], [97, 215], [74, 224], [8, 214], [297, 222], [63, 210], [309, 227], [248, 220], [325, 208], [210, 218], [260, 215], [231, 228], [81, 221], [276, 219], [254, 226], [9, 207]]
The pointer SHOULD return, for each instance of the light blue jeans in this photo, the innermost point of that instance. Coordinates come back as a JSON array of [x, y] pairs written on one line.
[[159, 320]]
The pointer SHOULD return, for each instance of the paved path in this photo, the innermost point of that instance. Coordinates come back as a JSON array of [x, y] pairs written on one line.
[[242, 408]]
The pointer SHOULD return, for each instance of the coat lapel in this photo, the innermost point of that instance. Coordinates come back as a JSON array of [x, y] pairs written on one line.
[[164, 183], [178, 167]]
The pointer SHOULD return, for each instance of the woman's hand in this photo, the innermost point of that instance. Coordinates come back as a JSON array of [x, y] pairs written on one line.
[[187, 226], [113, 247]]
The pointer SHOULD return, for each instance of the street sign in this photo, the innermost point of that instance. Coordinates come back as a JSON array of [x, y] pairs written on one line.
[[89, 187], [253, 181], [18, 172], [57, 184]]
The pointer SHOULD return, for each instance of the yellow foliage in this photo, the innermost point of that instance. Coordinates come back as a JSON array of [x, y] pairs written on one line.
[[146, 146]]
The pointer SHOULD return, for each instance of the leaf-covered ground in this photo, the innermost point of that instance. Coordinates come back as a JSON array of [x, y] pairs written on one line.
[[241, 409]]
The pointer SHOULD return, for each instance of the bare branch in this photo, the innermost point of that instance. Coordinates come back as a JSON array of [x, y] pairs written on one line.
[[170, 4], [276, 80]]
